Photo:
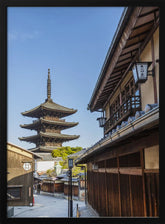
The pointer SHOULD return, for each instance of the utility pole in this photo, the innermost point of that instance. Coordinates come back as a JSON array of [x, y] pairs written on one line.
[[70, 202]]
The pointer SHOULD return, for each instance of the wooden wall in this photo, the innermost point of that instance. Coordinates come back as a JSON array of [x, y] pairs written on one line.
[[123, 196], [50, 186], [59, 187], [75, 189], [123, 186]]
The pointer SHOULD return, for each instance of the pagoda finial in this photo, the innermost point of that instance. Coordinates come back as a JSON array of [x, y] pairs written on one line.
[[48, 86]]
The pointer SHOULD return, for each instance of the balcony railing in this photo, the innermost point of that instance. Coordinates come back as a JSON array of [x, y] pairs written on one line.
[[128, 108]]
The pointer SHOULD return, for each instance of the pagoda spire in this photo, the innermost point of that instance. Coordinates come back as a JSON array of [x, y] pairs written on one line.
[[48, 86]]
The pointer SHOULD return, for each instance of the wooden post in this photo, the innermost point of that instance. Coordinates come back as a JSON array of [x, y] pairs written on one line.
[[130, 192], [106, 189], [153, 67], [120, 213], [98, 188], [143, 181]]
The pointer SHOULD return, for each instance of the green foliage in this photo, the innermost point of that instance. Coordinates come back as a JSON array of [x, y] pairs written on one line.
[[50, 173], [64, 164], [56, 153], [64, 152], [76, 170]]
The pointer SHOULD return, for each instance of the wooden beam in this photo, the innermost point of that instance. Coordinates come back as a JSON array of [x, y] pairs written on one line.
[[131, 171], [139, 34], [116, 75], [125, 59], [121, 170], [149, 12], [151, 170], [112, 170], [133, 44], [133, 52], [121, 67]]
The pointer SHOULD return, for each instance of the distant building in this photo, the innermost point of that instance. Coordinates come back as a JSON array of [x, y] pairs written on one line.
[[77, 154], [123, 167], [49, 162], [20, 168]]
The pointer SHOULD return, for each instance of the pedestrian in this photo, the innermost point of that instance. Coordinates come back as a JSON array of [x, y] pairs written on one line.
[[38, 188]]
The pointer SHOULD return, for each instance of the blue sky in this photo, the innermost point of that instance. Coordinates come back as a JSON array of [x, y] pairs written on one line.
[[73, 43]]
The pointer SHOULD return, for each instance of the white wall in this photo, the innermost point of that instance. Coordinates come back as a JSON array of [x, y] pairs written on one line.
[[44, 165]]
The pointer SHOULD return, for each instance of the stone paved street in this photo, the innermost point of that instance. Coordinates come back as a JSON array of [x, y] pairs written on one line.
[[47, 206]]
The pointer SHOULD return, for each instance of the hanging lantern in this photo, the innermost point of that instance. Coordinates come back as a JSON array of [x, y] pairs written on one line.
[[70, 163], [140, 71], [101, 121]]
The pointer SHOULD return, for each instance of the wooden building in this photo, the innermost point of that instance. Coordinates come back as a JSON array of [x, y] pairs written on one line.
[[75, 187], [52, 186], [123, 167], [48, 124], [20, 168]]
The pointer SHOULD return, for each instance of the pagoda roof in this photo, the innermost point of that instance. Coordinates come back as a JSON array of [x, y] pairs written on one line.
[[61, 124], [55, 136], [44, 151], [49, 105]]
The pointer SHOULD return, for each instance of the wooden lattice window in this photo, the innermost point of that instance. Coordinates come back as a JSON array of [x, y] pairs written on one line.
[[111, 163], [123, 96], [115, 105], [130, 88], [14, 192]]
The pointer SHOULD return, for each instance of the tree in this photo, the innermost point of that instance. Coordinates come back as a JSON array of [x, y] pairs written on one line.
[[64, 152], [51, 173], [56, 153]]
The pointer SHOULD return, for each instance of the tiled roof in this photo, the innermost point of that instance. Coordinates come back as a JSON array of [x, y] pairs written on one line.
[[56, 123], [50, 135], [77, 153], [59, 136], [48, 156], [49, 105]]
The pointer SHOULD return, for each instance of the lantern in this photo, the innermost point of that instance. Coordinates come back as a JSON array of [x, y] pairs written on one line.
[[70, 163], [140, 71], [101, 121]]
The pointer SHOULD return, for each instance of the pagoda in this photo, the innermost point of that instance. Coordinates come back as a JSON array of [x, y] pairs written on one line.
[[48, 124]]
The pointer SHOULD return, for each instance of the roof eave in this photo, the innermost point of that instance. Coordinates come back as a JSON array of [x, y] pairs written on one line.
[[122, 23]]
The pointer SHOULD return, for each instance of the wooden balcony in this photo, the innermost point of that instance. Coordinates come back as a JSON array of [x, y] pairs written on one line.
[[128, 108]]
